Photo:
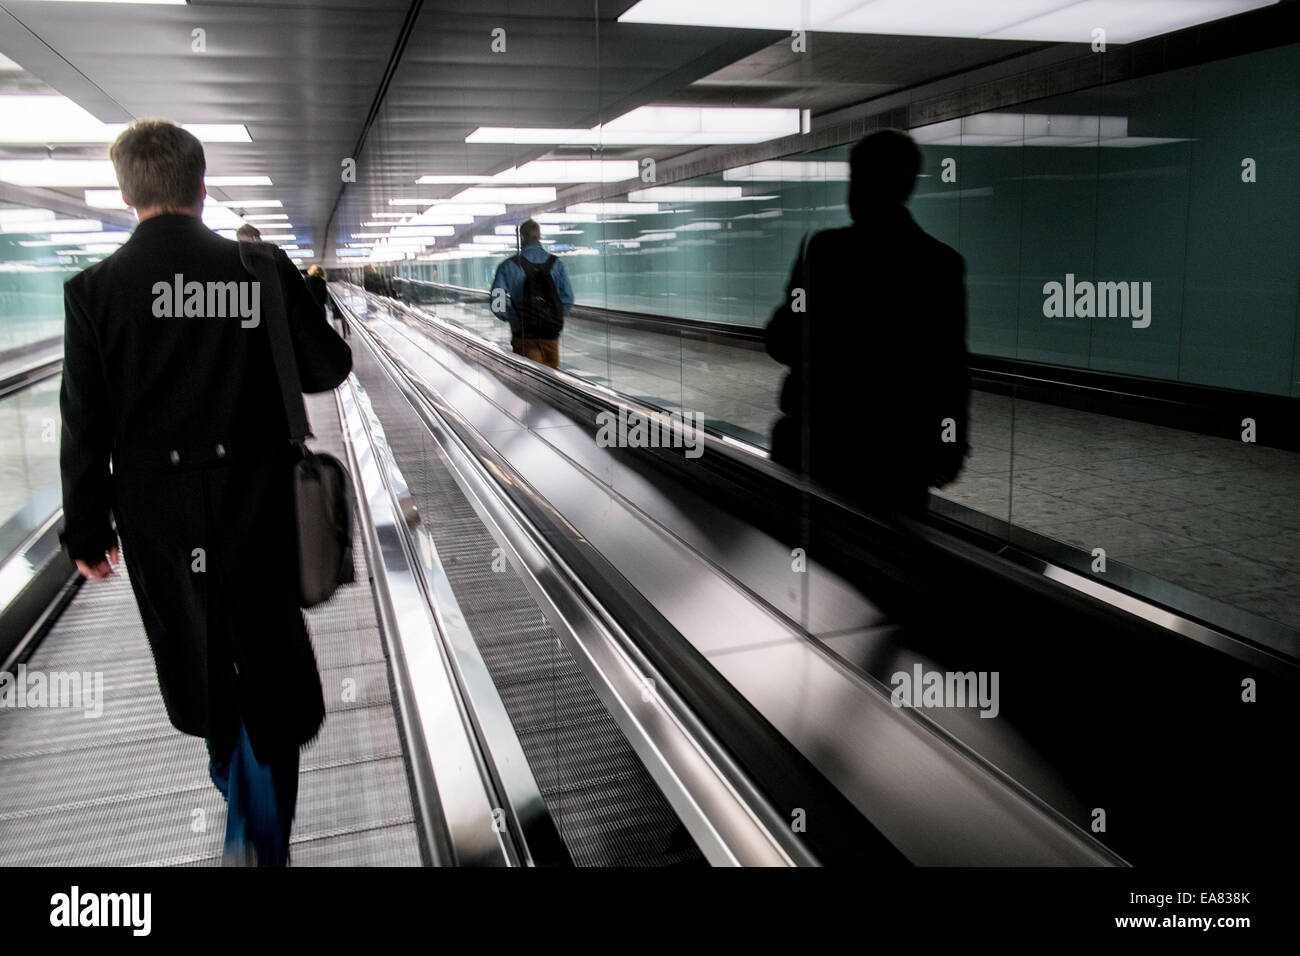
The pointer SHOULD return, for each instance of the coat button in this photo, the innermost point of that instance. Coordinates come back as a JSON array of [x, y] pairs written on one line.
[[221, 451], [175, 456]]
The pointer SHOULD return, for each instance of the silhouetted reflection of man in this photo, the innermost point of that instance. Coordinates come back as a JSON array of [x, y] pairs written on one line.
[[874, 331]]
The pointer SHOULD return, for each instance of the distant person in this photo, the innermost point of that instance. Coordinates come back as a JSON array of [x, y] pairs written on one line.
[[316, 285], [873, 329], [531, 291], [174, 429], [247, 233], [319, 289], [374, 281]]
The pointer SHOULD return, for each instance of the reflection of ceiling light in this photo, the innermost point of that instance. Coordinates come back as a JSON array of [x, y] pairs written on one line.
[[787, 171], [570, 171], [510, 195], [177, 2], [1033, 129], [44, 227], [264, 216], [554, 217], [278, 237], [614, 208], [105, 199], [547, 230], [451, 180], [8, 216], [81, 236], [218, 217], [686, 194], [437, 216], [659, 126], [1051, 20], [448, 208], [248, 203], [422, 229]]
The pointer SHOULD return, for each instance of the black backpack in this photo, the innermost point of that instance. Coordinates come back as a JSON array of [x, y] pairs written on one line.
[[541, 314]]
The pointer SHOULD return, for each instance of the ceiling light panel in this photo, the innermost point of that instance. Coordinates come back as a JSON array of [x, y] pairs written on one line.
[[1051, 20]]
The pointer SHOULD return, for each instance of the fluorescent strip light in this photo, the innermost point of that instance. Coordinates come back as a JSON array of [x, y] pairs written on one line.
[[8, 216], [510, 195], [265, 216], [81, 236], [422, 229], [686, 194], [159, 2], [105, 199], [614, 208], [571, 171], [389, 215], [1033, 129], [451, 180], [47, 119], [277, 237], [787, 171], [448, 207], [1045, 20], [57, 173], [660, 126], [96, 173], [47, 226], [439, 216], [544, 218]]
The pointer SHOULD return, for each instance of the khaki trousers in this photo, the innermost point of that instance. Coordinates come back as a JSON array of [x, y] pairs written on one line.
[[545, 351]]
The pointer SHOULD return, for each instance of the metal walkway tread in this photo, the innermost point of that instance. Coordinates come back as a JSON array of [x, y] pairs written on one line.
[[126, 789], [604, 803]]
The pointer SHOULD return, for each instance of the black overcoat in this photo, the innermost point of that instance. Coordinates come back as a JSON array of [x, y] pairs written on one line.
[[174, 431], [873, 328]]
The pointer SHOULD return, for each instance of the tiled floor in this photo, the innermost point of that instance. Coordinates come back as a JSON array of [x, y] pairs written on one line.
[[1216, 516], [123, 788]]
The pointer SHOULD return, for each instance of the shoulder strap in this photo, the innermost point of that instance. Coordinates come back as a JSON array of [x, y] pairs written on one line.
[[546, 266], [259, 259], [522, 262]]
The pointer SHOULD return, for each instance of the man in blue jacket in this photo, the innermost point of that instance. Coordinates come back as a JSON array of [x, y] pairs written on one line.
[[531, 291]]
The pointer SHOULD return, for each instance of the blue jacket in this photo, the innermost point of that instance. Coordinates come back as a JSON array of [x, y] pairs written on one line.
[[510, 277]]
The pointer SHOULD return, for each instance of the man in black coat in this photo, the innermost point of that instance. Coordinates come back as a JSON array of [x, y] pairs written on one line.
[[168, 376], [873, 328]]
